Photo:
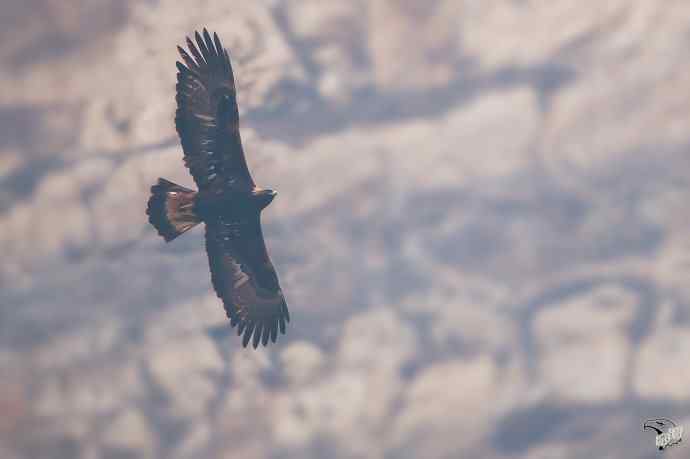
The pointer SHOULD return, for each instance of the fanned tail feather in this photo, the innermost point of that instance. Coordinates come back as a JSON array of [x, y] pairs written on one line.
[[171, 209]]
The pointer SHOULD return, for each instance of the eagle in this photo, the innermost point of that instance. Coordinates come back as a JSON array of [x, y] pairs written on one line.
[[227, 200]]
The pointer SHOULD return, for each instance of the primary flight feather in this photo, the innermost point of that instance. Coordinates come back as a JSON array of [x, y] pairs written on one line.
[[228, 201]]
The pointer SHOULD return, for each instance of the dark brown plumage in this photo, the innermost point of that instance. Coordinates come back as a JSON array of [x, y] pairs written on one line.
[[228, 201]]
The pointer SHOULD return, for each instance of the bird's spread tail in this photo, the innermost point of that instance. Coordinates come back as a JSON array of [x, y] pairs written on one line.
[[171, 209]]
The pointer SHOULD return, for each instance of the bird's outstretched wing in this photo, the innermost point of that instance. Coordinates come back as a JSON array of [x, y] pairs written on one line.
[[245, 279], [207, 119]]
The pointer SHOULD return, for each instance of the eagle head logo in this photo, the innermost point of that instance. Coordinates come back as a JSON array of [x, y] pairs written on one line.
[[667, 432]]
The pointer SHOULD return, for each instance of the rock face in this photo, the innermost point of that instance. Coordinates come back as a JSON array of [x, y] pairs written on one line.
[[482, 231]]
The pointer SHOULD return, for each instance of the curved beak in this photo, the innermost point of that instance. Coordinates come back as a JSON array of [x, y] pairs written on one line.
[[648, 425]]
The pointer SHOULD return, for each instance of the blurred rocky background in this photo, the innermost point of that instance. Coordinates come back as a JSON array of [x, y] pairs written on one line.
[[482, 231]]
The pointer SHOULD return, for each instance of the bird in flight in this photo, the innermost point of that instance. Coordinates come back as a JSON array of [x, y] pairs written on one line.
[[228, 201]]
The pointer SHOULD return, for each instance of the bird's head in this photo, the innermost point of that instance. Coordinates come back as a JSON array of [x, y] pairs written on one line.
[[264, 197]]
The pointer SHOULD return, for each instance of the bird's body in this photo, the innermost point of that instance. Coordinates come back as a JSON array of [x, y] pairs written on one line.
[[231, 203], [228, 201]]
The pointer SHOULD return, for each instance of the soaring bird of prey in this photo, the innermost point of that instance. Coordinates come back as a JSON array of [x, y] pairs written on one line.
[[228, 201]]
